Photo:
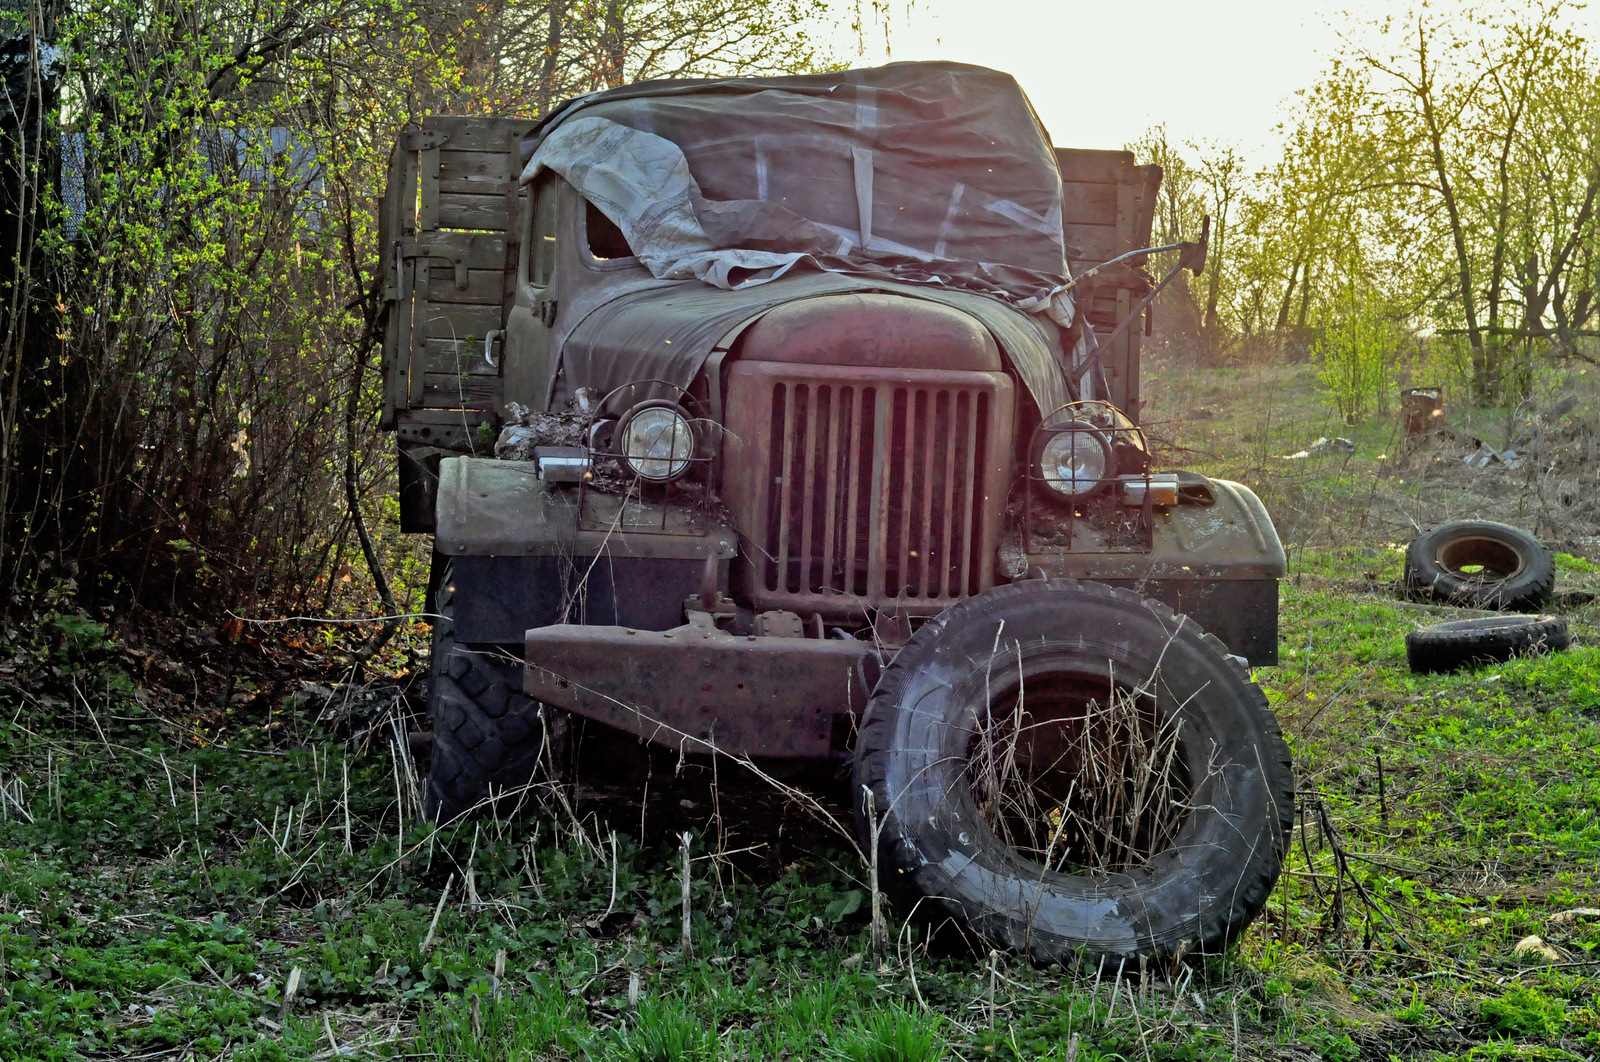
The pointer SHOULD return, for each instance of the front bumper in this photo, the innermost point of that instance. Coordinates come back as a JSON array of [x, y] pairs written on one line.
[[699, 689]]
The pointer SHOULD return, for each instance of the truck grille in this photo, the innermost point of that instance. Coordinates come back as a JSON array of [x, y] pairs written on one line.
[[870, 491]]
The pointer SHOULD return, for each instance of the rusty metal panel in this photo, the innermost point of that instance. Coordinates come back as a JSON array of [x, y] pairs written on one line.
[[694, 688], [860, 488]]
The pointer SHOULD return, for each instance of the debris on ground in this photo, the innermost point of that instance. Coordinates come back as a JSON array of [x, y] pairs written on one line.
[[1533, 947], [1483, 457], [1563, 917], [525, 429], [1323, 447]]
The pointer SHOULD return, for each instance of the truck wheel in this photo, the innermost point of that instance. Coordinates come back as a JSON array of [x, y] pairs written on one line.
[[1465, 643], [1071, 769], [1481, 564], [489, 738]]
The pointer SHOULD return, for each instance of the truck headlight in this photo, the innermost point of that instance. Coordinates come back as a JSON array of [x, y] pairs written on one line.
[[1074, 460], [656, 441]]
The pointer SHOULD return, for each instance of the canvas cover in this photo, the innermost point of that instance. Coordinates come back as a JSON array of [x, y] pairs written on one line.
[[932, 180], [935, 173]]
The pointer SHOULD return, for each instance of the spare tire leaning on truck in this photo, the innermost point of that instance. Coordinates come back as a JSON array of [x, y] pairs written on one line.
[[1480, 564], [1065, 766]]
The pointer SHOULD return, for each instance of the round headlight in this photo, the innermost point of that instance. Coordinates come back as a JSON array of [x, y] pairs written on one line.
[[1074, 460], [656, 441]]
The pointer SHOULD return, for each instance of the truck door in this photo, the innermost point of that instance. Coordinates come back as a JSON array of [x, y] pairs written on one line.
[[526, 373]]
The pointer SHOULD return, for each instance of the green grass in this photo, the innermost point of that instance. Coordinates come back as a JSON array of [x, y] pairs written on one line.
[[159, 899]]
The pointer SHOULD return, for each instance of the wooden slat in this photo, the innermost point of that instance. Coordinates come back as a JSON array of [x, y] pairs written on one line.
[[1088, 204], [1096, 243], [428, 185], [484, 286], [460, 321], [475, 172], [458, 357], [478, 134], [459, 211], [446, 391], [1080, 164], [481, 250]]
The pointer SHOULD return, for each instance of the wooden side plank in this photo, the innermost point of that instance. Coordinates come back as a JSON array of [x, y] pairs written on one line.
[[1083, 203], [1095, 243], [447, 391], [477, 134], [480, 250], [458, 357], [478, 212], [484, 286], [460, 321], [1096, 167]]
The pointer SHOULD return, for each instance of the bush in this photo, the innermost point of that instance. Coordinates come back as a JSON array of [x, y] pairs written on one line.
[[1356, 352]]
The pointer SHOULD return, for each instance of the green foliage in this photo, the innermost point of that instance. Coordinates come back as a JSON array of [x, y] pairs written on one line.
[[893, 1034], [81, 635], [665, 1031], [1356, 352], [1570, 679], [1525, 1012], [1566, 562]]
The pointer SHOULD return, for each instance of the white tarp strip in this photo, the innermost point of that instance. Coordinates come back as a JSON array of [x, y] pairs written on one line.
[[643, 184]]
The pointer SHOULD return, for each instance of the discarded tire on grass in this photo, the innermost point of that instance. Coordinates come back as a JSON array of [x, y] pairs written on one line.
[[1067, 767], [1481, 564], [1467, 643], [488, 736]]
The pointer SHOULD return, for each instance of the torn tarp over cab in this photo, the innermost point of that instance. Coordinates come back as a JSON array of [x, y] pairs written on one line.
[[931, 162], [933, 176]]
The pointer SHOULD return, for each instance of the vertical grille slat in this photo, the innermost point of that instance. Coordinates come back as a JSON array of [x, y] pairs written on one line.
[[926, 585], [786, 488], [972, 494], [831, 537], [903, 460], [851, 535], [948, 584], [875, 491], [878, 489], [807, 443]]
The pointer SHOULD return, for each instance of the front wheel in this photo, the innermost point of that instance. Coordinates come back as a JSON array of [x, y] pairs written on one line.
[[491, 742], [1069, 768]]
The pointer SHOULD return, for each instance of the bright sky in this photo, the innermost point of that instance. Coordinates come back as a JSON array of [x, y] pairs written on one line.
[[1100, 72]]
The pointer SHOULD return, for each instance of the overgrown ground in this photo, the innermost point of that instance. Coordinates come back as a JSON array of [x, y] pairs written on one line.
[[167, 865]]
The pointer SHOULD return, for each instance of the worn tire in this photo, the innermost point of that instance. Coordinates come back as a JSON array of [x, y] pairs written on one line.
[[1464, 643], [488, 736], [1194, 895], [1517, 571]]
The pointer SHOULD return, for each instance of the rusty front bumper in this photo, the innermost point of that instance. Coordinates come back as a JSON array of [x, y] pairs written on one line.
[[701, 689]]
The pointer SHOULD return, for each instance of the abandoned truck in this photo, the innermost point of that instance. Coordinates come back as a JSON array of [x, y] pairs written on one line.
[[797, 418]]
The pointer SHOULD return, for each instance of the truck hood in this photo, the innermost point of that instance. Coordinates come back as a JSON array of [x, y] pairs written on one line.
[[665, 330]]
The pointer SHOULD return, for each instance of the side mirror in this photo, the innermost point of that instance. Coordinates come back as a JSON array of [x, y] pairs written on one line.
[[1193, 255]]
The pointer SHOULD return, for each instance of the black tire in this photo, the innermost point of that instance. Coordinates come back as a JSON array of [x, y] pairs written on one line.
[[1464, 643], [489, 738], [1221, 854], [1481, 564]]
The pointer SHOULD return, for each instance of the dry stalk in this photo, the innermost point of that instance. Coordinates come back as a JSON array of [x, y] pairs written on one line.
[[873, 826], [1106, 777], [688, 943]]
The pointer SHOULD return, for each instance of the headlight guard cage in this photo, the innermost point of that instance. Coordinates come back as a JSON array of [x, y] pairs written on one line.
[[615, 407], [1117, 434]]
